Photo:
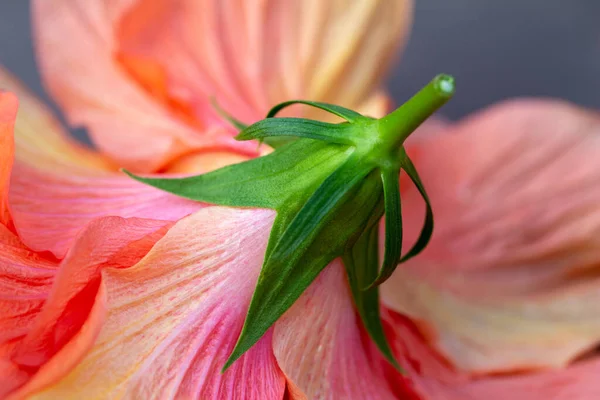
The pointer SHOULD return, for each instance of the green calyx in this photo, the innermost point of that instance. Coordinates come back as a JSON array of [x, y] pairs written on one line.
[[330, 185]]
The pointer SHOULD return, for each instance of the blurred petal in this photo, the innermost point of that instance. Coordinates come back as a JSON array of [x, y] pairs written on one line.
[[510, 281], [52, 327], [151, 67], [41, 142], [124, 121], [254, 54], [8, 113], [319, 346], [433, 379], [58, 186], [346, 46], [176, 315]]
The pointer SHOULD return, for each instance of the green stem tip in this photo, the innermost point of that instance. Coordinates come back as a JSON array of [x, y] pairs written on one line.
[[395, 127]]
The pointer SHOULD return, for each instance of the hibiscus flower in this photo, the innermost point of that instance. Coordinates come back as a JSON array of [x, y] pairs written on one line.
[[110, 288], [156, 313]]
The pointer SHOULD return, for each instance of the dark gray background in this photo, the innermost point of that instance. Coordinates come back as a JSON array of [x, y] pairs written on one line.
[[496, 49]]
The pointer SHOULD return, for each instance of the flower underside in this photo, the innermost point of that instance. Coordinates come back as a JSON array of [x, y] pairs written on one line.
[[330, 185]]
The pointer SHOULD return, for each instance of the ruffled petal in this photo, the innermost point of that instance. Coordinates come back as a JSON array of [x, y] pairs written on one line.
[[510, 281], [58, 186], [8, 113], [25, 281], [152, 67], [64, 204], [433, 378], [176, 315], [49, 328], [320, 347]]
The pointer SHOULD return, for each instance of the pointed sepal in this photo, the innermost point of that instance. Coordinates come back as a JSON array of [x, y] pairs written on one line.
[[393, 225], [362, 262], [298, 128], [265, 182], [239, 125], [342, 112], [427, 230]]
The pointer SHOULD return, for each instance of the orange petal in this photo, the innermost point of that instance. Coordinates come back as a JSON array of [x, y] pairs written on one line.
[[8, 112], [510, 279], [320, 348], [25, 280], [173, 318], [58, 186], [60, 333]]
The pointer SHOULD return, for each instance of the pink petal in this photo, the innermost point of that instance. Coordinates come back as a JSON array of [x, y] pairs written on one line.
[[65, 204], [510, 279], [173, 318], [320, 348], [8, 112], [63, 320], [57, 186]]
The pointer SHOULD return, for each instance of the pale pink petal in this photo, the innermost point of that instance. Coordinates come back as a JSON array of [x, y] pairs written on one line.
[[173, 318], [57, 186], [320, 347], [434, 379], [510, 279], [50, 321]]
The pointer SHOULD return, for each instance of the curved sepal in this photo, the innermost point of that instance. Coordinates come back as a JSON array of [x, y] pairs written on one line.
[[298, 127], [342, 112], [265, 182], [393, 225], [239, 125], [362, 262], [427, 229]]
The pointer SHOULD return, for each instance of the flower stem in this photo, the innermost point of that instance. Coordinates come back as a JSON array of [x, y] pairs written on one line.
[[395, 127]]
